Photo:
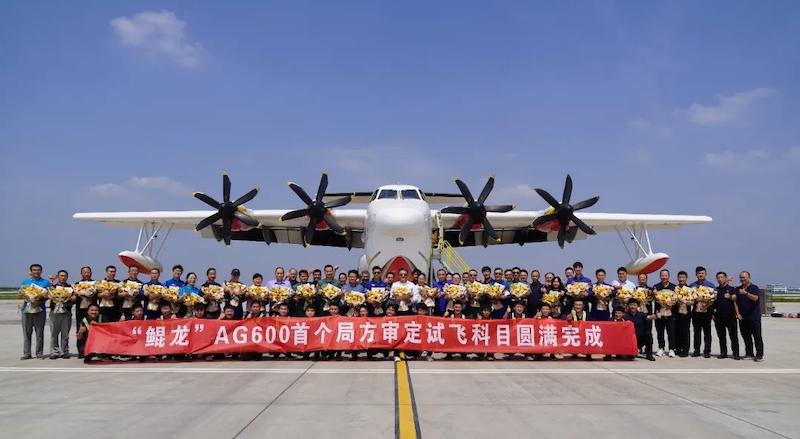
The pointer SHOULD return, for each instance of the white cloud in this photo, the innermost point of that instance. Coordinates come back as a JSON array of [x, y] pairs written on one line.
[[640, 123], [160, 33], [139, 184], [726, 109], [736, 158]]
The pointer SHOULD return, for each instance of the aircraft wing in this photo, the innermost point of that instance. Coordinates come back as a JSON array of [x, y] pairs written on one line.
[[514, 227], [272, 230]]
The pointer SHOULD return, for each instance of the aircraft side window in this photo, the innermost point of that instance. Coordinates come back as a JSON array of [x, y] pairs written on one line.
[[409, 194], [387, 193]]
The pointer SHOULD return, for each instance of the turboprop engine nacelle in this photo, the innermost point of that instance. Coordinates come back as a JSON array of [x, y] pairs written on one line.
[[648, 264]]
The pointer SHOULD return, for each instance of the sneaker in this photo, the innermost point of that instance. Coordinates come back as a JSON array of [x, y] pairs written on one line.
[[660, 353], [54, 356], [490, 358], [65, 355], [707, 355], [25, 357], [651, 358], [396, 359], [758, 359], [722, 356], [671, 354], [737, 358], [695, 354], [429, 358]]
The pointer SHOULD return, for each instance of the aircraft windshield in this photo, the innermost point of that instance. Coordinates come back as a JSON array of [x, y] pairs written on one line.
[[387, 193], [410, 194]]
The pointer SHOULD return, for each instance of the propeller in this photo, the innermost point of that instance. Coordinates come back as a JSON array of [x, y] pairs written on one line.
[[227, 210], [564, 212], [316, 210], [476, 211]]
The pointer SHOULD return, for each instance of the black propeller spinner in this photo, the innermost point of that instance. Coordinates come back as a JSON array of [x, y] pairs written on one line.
[[564, 212], [227, 210], [316, 210], [476, 211]]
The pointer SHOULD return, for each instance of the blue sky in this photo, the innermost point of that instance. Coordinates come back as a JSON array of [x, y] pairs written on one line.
[[679, 107]]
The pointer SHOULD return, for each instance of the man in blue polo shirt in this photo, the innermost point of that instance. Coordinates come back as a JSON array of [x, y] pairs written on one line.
[[749, 301], [33, 315]]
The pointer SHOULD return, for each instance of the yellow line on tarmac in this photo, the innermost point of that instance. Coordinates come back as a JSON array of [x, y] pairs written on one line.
[[406, 422]]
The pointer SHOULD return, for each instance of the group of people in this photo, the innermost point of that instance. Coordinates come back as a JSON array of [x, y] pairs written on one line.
[[734, 309]]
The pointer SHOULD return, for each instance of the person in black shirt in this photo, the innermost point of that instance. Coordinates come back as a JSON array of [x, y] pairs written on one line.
[[725, 312], [535, 297], [644, 338], [213, 308], [749, 302]]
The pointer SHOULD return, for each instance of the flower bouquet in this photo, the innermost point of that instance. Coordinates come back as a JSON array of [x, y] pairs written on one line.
[[520, 290], [475, 290], [154, 294], [106, 290], [685, 298], [643, 295], [495, 291], [331, 292], [667, 299], [401, 295], [171, 294], [376, 297], [353, 299], [191, 299], [32, 293], [84, 289], [257, 293], [429, 294], [578, 290], [212, 293], [454, 292], [602, 294], [307, 291], [236, 290], [623, 294], [703, 297], [279, 294], [551, 298], [129, 291], [60, 295]]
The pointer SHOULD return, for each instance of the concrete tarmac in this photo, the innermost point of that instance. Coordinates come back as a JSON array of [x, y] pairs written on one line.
[[671, 397]]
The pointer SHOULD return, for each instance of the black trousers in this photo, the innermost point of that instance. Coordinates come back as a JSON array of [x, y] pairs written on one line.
[[645, 340], [665, 324], [80, 314], [701, 325], [751, 333], [727, 324], [109, 313], [682, 323]]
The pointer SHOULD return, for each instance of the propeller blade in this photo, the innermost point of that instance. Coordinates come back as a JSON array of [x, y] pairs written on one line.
[[246, 197], [246, 219], [547, 197], [465, 229], [331, 222], [206, 199], [301, 193], [503, 208], [465, 192], [544, 219], [226, 231], [489, 230], [310, 229], [294, 214], [454, 209], [226, 187], [323, 186], [567, 190], [561, 232], [585, 203], [338, 203], [487, 188], [583, 226], [205, 222]]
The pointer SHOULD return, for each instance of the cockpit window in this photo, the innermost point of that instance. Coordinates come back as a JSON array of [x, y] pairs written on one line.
[[374, 196], [410, 194], [387, 193]]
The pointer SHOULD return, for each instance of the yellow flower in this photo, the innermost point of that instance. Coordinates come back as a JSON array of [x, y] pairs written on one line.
[[353, 299]]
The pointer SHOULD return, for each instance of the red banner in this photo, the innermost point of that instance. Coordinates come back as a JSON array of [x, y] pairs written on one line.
[[412, 333]]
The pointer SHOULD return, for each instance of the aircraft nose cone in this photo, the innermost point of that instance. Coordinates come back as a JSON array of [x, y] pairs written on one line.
[[401, 219]]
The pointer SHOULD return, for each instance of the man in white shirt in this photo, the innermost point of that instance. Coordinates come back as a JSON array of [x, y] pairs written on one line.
[[403, 307]]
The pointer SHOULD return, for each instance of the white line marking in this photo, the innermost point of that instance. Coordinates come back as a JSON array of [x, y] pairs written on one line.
[[322, 371]]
